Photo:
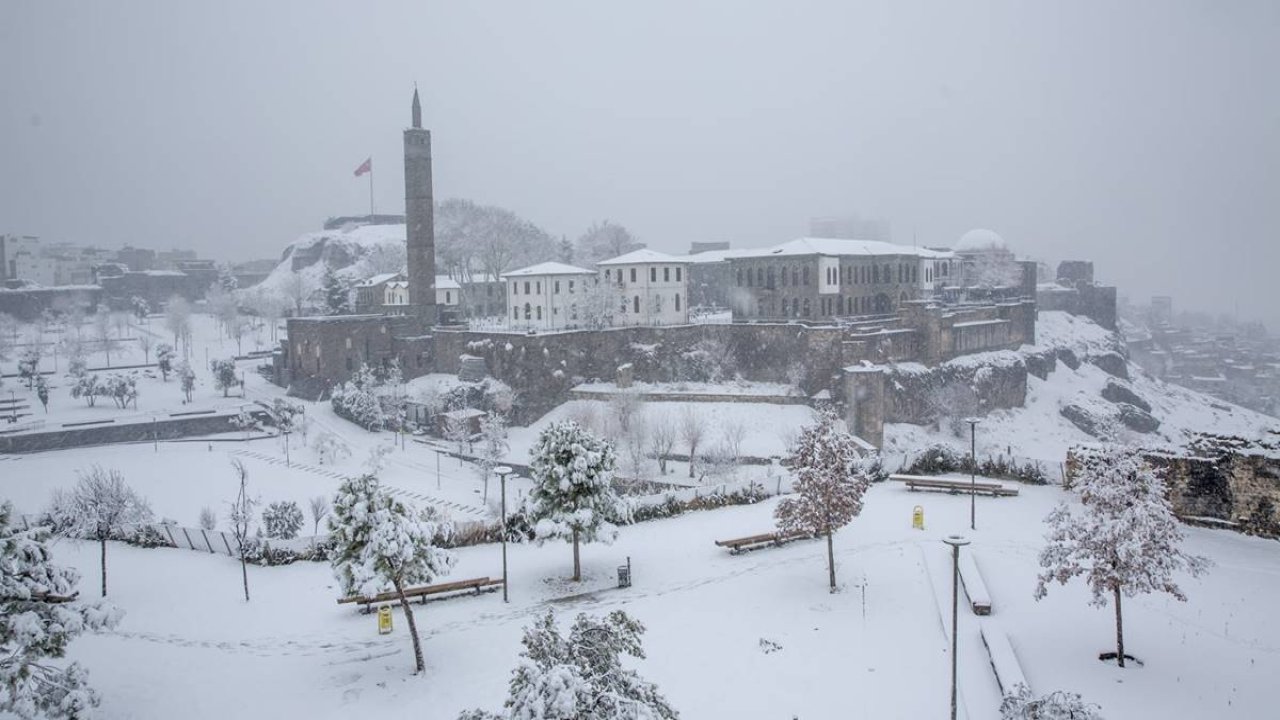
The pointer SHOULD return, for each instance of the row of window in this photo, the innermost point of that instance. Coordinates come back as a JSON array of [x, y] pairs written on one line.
[[827, 307], [844, 275], [610, 276], [534, 287], [532, 312]]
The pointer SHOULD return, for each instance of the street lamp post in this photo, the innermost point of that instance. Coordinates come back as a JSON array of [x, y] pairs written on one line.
[[286, 447], [973, 469], [503, 471], [439, 452], [956, 542]]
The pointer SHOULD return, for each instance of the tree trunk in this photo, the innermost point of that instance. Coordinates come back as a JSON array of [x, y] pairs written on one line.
[[831, 561], [103, 542], [577, 563], [1119, 630], [244, 574], [693, 450], [420, 666]]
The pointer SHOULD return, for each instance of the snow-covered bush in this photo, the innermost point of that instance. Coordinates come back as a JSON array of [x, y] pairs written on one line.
[[122, 389], [381, 544], [1022, 705], [38, 619], [357, 400], [829, 482], [86, 387], [1125, 542], [188, 378], [164, 359], [224, 375], [580, 676], [98, 508], [29, 364], [329, 448], [282, 519], [572, 498], [208, 518]]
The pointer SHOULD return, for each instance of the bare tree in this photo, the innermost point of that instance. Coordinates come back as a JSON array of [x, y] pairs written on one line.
[[693, 430], [177, 320], [663, 434], [733, 432], [319, 507], [208, 519], [99, 508], [604, 240], [146, 342], [240, 516], [102, 331]]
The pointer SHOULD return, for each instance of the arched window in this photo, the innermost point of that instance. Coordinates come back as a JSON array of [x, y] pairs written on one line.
[[515, 288], [539, 312], [750, 278], [739, 277], [770, 277], [760, 277], [657, 303], [875, 274], [804, 276]]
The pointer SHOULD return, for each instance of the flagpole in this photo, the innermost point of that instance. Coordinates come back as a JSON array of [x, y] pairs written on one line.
[[371, 191]]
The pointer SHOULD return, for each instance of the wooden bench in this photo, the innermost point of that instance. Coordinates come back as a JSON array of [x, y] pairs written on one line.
[[954, 486], [438, 591], [755, 542], [974, 586]]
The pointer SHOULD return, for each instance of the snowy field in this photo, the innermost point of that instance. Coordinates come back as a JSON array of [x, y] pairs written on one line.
[[190, 647]]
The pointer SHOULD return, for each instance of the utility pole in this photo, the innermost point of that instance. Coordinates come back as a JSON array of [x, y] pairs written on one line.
[[956, 542], [503, 471], [973, 469]]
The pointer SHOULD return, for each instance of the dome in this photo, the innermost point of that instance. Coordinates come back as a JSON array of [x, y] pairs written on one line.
[[980, 239]]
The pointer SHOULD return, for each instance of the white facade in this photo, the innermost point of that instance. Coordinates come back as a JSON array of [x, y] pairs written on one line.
[[395, 294], [547, 296], [652, 288]]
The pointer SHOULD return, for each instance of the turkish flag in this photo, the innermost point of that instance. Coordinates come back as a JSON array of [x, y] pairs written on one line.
[[366, 166]]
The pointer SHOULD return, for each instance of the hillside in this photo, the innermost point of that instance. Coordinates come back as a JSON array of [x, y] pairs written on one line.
[[1103, 397], [359, 252]]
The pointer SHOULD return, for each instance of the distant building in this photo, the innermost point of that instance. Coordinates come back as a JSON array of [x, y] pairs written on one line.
[[136, 258], [850, 227], [651, 287], [169, 259], [702, 247], [11, 247], [547, 296], [371, 292]]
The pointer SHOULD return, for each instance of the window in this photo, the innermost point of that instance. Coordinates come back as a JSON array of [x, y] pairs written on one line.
[[795, 276], [606, 276], [750, 278], [678, 275], [769, 276], [666, 274], [633, 274], [805, 277], [677, 302], [806, 307], [515, 313], [570, 287], [875, 273], [760, 277], [783, 273], [539, 284], [915, 272], [448, 297], [557, 287], [515, 288], [539, 312], [636, 304], [573, 311], [528, 311], [657, 303], [349, 365], [653, 274], [526, 287], [739, 277]]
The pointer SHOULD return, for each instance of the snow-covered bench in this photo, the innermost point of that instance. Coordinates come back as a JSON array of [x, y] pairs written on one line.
[[1005, 664], [438, 591], [954, 486], [755, 542], [974, 587]]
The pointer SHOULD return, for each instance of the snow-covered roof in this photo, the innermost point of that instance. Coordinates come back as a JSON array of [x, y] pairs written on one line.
[[376, 280], [836, 246], [548, 268], [714, 256], [980, 239], [444, 282], [644, 256]]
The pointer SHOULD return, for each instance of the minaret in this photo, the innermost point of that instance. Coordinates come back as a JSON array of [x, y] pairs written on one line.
[[419, 210]]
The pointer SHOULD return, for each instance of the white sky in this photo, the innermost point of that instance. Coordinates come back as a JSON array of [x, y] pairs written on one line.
[[1143, 135]]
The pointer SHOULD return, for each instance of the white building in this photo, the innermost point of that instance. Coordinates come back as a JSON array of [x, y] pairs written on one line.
[[395, 293], [547, 296], [652, 288]]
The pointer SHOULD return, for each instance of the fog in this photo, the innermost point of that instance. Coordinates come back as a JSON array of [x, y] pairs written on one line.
[[1142, 135]]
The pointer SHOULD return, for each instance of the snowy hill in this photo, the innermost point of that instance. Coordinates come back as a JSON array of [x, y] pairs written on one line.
[[1070, 400], [357, 252]]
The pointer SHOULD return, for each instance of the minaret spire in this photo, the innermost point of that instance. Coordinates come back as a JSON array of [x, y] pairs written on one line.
[[417, 108]]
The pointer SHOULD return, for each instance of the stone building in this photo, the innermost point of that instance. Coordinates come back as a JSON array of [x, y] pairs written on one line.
[[419, 206], [1076, 292], [828, 278], [651, 287], [371, 292], [547, 296]]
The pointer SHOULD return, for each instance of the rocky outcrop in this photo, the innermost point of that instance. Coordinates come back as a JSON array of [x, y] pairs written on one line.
[[1119, 392], [1136, 419], [1111, 363], [1068, 357], [1089, 421]]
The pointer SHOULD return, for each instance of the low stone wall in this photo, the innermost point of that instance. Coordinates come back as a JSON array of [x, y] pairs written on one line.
[[165, 429]]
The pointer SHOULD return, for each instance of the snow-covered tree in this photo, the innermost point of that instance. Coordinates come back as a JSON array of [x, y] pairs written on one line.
[[224, 375], [140, 307], [282, 520], [329, 448], [98, 508], [77, 366], [493, 447], [38, 619], [122, 389], [8, 334], [693, 430], [102, 331], [598, 306], [245, 421], [42, 392], [164, 360], [146, 342], [572, 498], [663, 433], [240, 513], [357, 400], [604, 240], [829, 483], [319, 507], [1126, 540], [1058, 705], [188, 378], [381, 544], [376, 460], [336, 291], [177, 319], [88, 388], [580, 676], [208, 519], [29, 364]]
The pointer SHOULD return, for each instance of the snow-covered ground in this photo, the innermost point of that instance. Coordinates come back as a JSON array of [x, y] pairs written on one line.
[[191, 647], [731, 388]]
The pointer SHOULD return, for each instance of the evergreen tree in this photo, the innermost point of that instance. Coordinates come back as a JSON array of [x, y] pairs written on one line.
[[337, 293], [38, 619], [42, 392], [1022, 705], [580, 676], [572, 498], [1126, 540], [224, 375], [188, 378], [830, 483], [282, 520], [379, 543], [164, 359]]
